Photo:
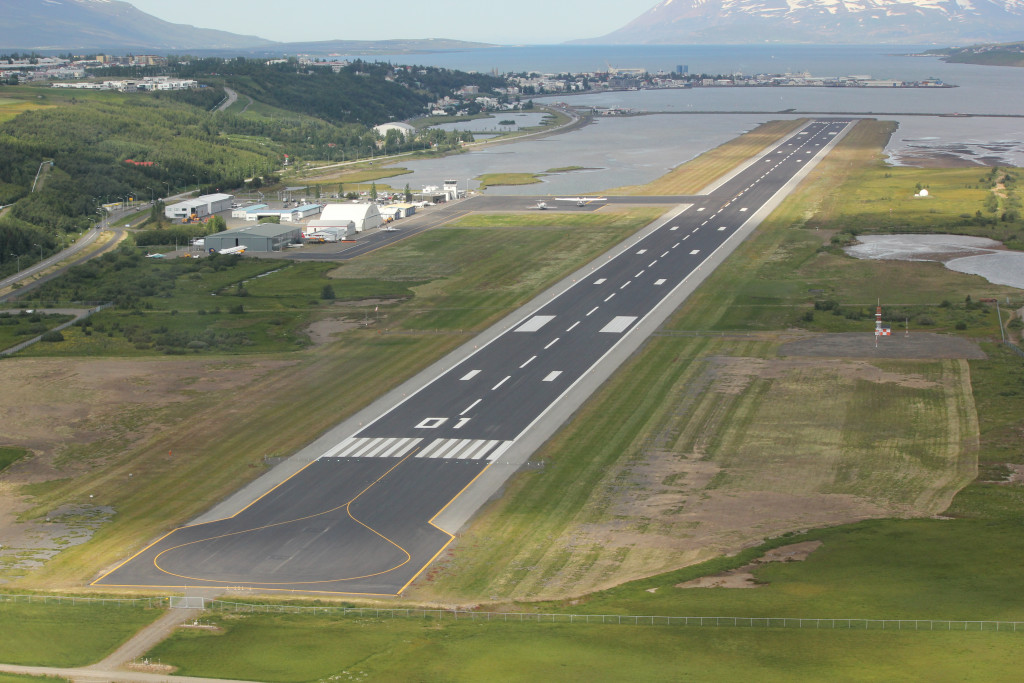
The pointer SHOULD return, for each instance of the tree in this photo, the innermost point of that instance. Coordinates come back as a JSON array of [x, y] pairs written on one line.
[[327, 293], [216, 224], [408, 193], [373, 192]]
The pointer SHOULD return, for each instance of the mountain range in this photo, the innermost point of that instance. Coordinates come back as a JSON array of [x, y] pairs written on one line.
[[115, 26], [823, 21]]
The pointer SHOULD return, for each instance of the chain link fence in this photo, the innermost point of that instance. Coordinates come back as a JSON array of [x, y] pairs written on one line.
[[627, 620], [80, 600]]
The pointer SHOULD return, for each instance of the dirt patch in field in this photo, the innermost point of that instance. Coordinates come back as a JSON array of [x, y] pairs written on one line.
[[69, 413], [743, 577], [916, 345], [323, 331]]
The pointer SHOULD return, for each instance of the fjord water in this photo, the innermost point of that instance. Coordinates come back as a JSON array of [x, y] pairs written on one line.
[[624, 151]]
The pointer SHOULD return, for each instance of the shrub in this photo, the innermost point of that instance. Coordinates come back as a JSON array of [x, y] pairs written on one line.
[[52, 336]]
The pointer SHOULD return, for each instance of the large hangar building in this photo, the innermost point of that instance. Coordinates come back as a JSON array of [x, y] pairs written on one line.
[[200, 207], [363, 216], [261, 237]]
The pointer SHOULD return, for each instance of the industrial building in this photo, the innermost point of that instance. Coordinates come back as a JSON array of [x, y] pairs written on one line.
[[396, 211], [300, 212], [243, 211], [200, 207], [262, 237], [363, 216], [404, 128]]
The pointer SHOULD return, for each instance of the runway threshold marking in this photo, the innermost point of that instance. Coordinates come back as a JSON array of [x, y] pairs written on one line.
[[469, 375], [552, 376], [618, 324], [535, 323]]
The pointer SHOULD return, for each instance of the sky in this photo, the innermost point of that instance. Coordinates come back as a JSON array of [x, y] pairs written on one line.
[[504, 22]]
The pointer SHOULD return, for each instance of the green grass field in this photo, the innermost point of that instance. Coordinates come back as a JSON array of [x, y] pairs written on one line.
[[498, 179], [10, 455], [66, 635], [296, 649], [472, 277], [20, 327]]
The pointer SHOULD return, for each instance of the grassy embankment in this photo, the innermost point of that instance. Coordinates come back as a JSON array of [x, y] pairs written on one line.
[[181, 458], [15, 329], [66, 635], [883, 568]]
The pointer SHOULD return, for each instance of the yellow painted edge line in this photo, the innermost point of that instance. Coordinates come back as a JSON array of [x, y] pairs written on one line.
[[451, 536]]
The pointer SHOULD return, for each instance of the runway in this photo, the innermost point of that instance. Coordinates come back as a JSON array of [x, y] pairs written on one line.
[[362, 517]]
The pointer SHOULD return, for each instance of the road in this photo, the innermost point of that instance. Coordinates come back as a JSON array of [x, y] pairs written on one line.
[[382, 494]]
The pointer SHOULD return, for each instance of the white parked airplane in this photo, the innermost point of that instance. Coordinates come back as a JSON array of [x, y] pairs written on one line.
[[232, 250], [581, 201]]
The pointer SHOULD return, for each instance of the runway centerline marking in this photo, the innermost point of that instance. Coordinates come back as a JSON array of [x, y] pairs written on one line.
[[552, 343], [591, 311], [570, 328], [471, 406], [528, 361], [609, 297], [625, 284], [501, 382]]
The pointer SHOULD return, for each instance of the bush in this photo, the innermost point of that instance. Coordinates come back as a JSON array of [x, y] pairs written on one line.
[[961, 325], [327, 292], [52, 336]]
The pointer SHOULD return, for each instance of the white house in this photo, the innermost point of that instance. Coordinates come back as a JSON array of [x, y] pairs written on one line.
[[363, 216]]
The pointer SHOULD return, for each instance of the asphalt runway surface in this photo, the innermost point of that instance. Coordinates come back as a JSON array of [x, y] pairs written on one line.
[[358, 518]]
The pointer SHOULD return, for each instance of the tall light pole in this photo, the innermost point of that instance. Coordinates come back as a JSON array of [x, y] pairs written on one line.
[[18, 256], [40, 251], [168, 185]]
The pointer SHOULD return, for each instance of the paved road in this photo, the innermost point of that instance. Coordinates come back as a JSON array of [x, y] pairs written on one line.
[[372, 508]]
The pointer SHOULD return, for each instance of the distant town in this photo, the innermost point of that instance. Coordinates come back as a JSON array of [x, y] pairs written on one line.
[[87, 73]]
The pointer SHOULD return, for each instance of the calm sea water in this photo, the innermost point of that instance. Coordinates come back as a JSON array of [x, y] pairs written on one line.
[[636, 150]]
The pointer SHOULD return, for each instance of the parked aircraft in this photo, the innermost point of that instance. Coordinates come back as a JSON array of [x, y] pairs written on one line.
[[581, 201], [541, 206], [231, 250]]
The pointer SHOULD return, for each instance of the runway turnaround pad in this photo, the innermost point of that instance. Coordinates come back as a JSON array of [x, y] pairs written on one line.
[[341, 525]]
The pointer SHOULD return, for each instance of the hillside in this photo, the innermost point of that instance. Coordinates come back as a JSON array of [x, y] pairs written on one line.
[[103, 25]]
